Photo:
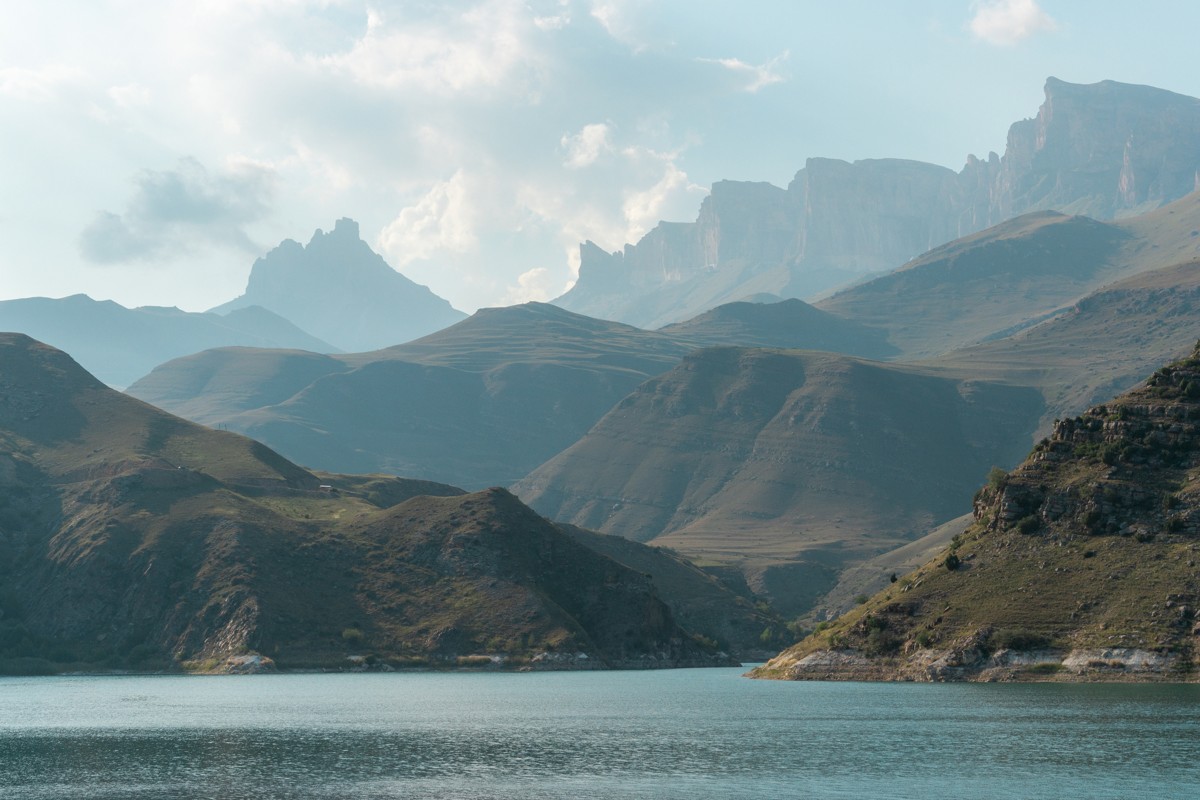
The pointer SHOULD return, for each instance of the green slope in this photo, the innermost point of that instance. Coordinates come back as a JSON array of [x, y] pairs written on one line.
[[1079, 565], [800, 462], [130, 538]]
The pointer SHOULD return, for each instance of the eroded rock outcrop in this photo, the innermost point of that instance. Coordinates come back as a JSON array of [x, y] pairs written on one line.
[[1081, 563]]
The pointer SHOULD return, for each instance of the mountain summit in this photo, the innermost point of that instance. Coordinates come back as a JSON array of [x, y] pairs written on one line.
[[340, 290]]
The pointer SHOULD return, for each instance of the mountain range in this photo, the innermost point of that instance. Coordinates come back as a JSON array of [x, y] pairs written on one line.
[[121, 344], [1104, 150], [130, 538], [1017, 325], [798, 452]]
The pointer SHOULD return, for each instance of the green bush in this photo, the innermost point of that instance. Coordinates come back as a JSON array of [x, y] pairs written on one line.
[[952, 562], [353, 636], [997, 478], [880, 643]]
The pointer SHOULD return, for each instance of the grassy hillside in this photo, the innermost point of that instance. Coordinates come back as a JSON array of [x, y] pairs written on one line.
[[1079, 565], [786, 324], [130, 538], [478, 404], [989, 284], [792, 464], [1100, 346]]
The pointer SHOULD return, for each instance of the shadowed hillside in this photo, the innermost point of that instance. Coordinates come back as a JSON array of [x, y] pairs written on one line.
[[800, 461], [134, 539]]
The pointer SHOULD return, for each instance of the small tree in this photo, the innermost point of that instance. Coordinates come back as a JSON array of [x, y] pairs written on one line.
[[997, 478]]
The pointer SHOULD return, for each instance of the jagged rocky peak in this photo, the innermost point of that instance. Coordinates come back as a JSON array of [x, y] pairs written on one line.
[[339, 289]]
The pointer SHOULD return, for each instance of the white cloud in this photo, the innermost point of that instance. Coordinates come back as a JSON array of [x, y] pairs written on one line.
[[643, 208], [556, 21], [441, 221], [1007, 22], [477, 48], [131, 95], [537, 284], [37, 85], [756, 76], [180, 210], [640, 25], [585, 147]]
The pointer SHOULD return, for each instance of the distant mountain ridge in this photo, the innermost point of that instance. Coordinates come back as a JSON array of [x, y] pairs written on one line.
[[480, 403], [1104, 150], [342, 291], [120, 344]]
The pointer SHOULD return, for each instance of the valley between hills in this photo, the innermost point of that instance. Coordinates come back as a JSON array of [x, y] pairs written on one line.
[[786, 437]]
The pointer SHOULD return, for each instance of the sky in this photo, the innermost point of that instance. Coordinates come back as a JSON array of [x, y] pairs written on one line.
[[151, 150]]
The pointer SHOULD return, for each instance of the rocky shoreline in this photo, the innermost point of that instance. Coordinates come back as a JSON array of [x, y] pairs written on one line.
[[1082, 665]]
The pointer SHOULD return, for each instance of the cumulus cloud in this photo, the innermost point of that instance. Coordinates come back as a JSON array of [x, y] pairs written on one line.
[[754, 77], [643, 208], [37, 85], [441, 221], [1007, 22], [183, 209], [554, 20], [638, 187], [537, 284], [477, 48], [585, 147], [130, 95]]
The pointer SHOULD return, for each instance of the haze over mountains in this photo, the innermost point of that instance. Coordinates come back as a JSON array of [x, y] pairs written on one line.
[[787, 446], [336, 284], [121, 344], [1105, 150]]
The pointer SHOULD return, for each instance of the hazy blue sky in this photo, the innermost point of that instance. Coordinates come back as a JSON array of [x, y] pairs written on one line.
[[150, 150]]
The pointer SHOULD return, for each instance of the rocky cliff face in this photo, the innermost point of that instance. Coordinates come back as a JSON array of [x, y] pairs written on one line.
[[337, 285], [1104, 150], [1080, 565]]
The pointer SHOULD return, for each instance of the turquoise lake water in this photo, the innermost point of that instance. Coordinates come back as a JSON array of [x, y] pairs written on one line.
[[661, 734]]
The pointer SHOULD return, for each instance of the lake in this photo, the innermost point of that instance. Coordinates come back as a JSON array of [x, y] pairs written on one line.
[[656, 734]]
